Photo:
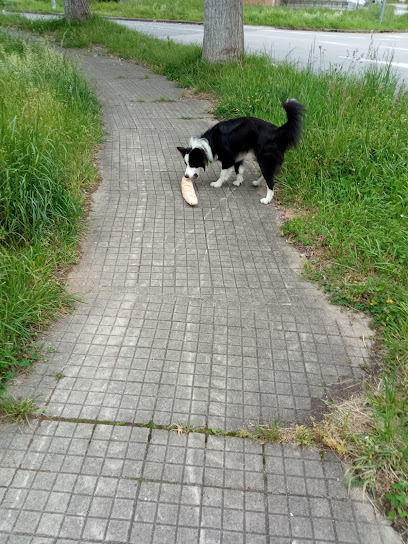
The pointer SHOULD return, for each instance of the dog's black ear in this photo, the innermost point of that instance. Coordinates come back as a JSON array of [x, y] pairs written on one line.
[[182, 150]]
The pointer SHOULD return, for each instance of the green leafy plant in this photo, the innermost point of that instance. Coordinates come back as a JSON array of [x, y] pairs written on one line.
[[263, 433], [304, 435], [398, 500]]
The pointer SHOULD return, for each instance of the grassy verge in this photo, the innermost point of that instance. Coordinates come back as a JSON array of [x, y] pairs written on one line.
[[254, 14], [49, 125], [347, 183], [358, 19]]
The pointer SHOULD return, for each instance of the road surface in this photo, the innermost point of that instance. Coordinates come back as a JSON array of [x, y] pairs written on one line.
[[326, 48]]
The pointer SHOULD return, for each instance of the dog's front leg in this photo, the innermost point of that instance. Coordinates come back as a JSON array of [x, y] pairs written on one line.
[[224, 176], [269, 196]]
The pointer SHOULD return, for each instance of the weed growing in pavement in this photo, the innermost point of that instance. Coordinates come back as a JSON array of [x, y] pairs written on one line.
[[17, 410], [163, 99], [263, 433], [182, 428], [304, 435]]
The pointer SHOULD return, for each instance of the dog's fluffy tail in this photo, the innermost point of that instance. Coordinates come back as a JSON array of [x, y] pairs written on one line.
[[290, 132]]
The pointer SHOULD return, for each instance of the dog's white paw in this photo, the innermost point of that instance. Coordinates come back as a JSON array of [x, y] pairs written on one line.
[[257, 182], [216, 184], [237, 182], [265, 200]]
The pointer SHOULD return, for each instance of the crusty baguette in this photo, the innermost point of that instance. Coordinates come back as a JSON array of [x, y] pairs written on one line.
[[187, 190]]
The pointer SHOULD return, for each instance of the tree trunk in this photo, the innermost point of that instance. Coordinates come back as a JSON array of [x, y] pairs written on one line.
[[76, 9], [223, 30]]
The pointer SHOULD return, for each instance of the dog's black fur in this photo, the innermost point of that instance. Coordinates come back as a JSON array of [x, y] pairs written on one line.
[[229, 142]]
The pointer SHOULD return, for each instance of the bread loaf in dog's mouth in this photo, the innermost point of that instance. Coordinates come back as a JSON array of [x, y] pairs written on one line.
[[188, 192]]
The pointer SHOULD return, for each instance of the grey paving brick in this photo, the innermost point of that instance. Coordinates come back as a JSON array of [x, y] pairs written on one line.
[[191, 316], [95, 510]]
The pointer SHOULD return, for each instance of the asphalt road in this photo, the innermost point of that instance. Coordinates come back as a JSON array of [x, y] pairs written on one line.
[[359, 50], [326, 47]]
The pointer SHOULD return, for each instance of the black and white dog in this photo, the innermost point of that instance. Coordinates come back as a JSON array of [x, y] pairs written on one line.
[[231, 141]]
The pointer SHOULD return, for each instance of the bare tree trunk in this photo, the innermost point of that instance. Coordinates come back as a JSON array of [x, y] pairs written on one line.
[[76, 9], [223, 30]]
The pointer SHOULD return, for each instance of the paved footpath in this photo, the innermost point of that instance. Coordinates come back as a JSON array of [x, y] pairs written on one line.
[[196, 316]]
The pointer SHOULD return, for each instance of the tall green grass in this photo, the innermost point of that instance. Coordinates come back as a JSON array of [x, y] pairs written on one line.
[[366, 18], [254, 14], [349, 177], [49, 125]]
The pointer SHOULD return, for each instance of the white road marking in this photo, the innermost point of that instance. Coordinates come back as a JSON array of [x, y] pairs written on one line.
[[387, 39], [397, 48], [337, 43], [398, 64]]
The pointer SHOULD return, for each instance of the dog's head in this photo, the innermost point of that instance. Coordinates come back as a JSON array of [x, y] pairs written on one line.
[[196, 156]]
